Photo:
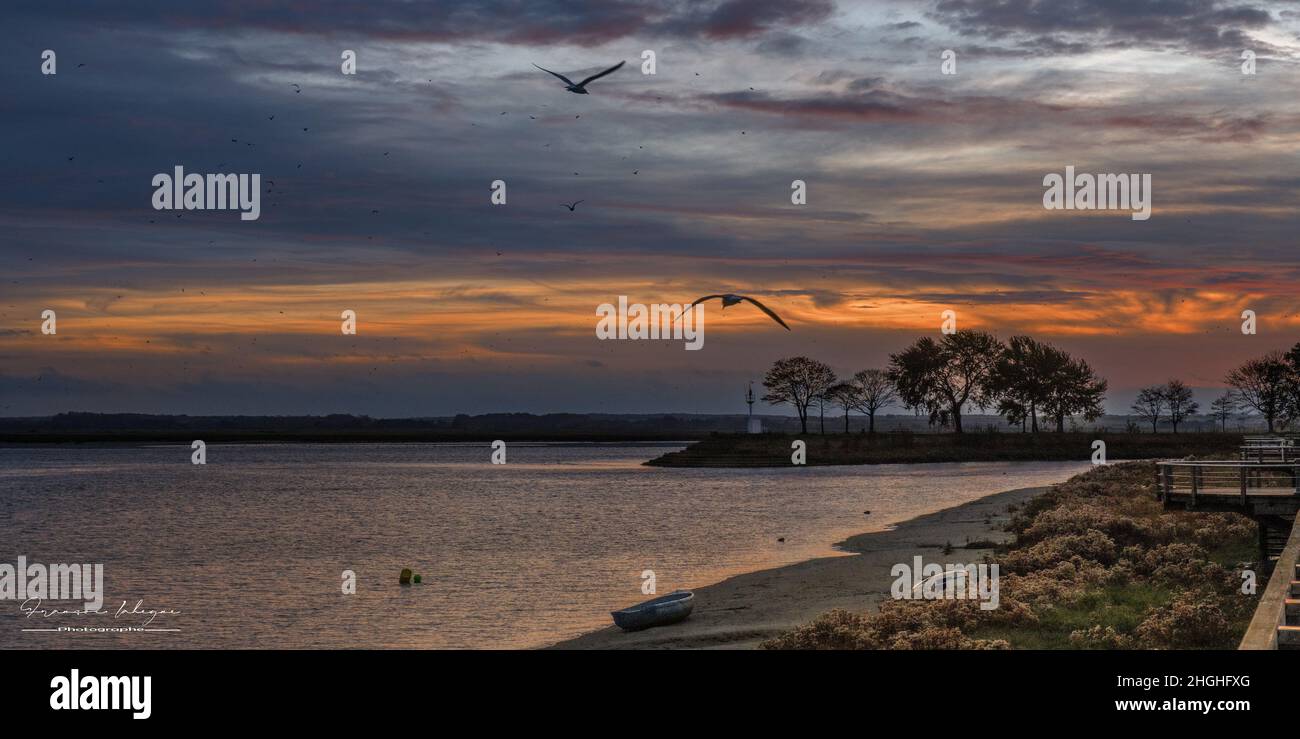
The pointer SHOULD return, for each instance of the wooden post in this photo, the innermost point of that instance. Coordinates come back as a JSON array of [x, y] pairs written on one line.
[[1195, 479], [1242, 475]]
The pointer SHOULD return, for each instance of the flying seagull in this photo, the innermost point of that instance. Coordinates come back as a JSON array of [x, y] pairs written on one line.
[[581, 87], [733, 299], [571, 206]]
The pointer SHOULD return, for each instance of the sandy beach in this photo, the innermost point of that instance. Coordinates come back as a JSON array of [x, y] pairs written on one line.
[[742, 611]]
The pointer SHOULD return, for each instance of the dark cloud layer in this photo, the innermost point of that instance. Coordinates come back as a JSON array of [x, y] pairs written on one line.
[[1196, 25], [520, 22], [924, 192]]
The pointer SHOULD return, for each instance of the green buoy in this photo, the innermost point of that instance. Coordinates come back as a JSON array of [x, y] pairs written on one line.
[[417, 579]]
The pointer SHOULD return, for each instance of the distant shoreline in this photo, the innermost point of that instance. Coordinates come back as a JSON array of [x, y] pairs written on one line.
[[775, 450], [744, 610]]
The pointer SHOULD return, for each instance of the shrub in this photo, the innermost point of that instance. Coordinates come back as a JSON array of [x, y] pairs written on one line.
[[838, 629], [1096, 547], [1192, 620], [1097, 637]]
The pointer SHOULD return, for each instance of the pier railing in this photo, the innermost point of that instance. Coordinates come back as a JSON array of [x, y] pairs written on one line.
[[1276, 624], [1269, 449], [1192, 481], [1267, 492]]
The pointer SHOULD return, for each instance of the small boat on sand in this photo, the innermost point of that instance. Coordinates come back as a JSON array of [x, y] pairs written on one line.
[[661, 611]]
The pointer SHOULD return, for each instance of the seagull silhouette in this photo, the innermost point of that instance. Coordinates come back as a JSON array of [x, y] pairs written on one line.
[[581, 87], [572, 206], [733, 299]]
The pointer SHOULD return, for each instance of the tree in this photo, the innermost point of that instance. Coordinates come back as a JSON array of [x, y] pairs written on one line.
[[1150, 402], [1015, 412], [1267, 384], [1178, 401], [875, 391], [1223, 408], [1074, 390], [1034, 377], [845, 394], [943, 376], [1019, 381], [798, 381]]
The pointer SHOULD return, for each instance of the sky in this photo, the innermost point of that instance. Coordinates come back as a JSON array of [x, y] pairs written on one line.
[[924, 193]]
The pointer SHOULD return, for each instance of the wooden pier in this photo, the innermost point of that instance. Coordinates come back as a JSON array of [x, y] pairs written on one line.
[[1262, 485]]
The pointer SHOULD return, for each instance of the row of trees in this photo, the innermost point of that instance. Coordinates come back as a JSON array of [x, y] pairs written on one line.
[[1172, 401], [1024, 379], [1268, 385]]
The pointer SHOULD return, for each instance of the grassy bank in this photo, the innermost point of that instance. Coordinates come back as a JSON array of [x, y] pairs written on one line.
[[774, 450], [1096, 563]]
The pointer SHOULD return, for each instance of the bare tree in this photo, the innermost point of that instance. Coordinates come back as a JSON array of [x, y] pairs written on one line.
[[799, 381], [1223, 408], [1266, 384], [1149, 404], [875, 391], [1178, 401], [845, 394]]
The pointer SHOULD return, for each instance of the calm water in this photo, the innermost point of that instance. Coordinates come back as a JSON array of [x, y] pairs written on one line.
[[250, 548]]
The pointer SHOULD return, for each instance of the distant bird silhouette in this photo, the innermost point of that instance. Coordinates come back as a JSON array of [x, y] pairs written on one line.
[[571, 206], [296, 86], [581, 87], [733, 299]]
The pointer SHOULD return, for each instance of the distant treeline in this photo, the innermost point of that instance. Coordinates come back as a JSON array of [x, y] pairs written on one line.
[[343, 427], [133, 427], [1024, 381]]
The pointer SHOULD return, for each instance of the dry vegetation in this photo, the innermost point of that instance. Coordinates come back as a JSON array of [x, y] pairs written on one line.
[[1096, 563]]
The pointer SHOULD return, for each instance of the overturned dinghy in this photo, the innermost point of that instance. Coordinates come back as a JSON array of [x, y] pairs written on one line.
[[661, 611]]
